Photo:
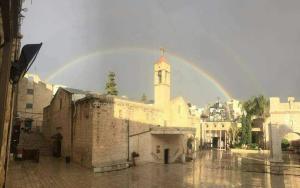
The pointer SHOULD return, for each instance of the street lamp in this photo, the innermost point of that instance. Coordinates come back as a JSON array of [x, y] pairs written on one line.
[[20, 67]]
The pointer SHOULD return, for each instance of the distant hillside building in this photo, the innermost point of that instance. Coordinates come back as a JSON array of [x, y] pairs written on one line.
[[235, 109], [32, 96], [218, 120], [103, 132]]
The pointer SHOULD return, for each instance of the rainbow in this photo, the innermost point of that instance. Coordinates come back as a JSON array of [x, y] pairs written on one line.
[[83, 58]]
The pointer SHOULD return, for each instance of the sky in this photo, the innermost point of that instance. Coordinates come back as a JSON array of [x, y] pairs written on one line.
[[222, 48]]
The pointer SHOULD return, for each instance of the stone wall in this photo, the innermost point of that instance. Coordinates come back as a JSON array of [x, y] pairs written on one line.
[[110, 135], [137, 112], [58, 119], [47, 122], [140, 140], [82, 133]]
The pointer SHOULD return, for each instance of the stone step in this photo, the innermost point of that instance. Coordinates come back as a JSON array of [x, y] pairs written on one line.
[[111, 167]]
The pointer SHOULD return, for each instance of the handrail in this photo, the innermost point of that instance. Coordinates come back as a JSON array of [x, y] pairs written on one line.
[[176, 155], [155, 156], [140, 133]]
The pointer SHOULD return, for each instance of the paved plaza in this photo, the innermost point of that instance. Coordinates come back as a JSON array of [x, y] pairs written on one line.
[[211, 169]]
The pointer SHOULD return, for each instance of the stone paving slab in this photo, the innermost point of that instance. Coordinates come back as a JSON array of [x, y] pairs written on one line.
[[211, 169]]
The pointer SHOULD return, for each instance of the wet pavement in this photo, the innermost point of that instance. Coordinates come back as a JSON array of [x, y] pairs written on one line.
[[211, 169]]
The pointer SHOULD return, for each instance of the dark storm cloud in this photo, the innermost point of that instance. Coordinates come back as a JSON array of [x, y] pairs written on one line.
[[250, 47]]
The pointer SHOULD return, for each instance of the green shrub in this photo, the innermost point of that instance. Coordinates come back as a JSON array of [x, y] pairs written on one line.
[[238, 145], [285, 144], [253, 146]]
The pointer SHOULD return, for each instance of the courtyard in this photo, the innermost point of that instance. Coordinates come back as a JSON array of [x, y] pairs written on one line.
[[212, 168]]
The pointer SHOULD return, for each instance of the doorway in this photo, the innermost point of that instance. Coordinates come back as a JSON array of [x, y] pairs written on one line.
[[56, 150], [215, 141], [166, 156]]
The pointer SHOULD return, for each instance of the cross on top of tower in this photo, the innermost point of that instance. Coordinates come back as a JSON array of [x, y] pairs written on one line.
[[162, 56], [162, 51]]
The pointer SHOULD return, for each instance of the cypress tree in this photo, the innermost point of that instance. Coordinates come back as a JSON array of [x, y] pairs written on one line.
[[246, 134], [111, 86]]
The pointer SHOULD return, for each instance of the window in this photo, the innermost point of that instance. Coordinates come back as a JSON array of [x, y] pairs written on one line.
[[30, 91], [29, 106]]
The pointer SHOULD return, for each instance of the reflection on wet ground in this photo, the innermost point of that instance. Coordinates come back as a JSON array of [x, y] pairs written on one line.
[[211, 169]]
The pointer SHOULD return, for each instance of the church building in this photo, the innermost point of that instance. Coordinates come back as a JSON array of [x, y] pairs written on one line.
[[105, 131]]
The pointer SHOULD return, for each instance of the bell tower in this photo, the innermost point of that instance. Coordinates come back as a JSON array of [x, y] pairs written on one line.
[[162, 81]]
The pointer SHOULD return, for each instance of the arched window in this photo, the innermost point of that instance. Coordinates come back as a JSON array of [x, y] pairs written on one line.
[[159, 76]]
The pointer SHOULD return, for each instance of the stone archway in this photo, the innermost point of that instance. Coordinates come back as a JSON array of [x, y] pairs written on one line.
[[277, 132]]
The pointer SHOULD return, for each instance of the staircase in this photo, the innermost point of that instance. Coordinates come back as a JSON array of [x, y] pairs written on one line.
[[34, 140]]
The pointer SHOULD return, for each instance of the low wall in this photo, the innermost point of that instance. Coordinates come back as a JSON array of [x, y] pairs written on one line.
[[246, 151]]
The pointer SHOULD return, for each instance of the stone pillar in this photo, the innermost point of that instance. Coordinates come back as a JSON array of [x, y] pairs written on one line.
[[220, 140], [225, 142], [210, 136], [203, 136], [275, 139]]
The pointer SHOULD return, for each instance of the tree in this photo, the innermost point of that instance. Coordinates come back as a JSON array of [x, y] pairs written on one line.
[[246, 135], [144, 98], [256, 107], [111, 86], [234, 131]]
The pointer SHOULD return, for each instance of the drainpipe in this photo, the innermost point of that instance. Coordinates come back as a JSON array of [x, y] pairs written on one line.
[[127, 121]]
